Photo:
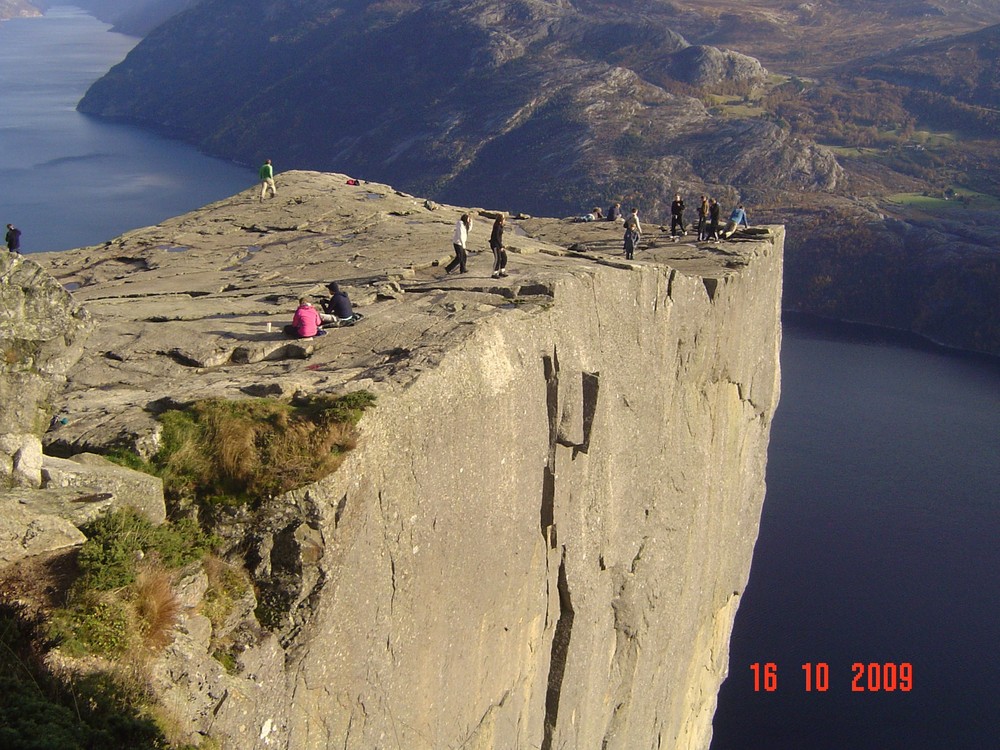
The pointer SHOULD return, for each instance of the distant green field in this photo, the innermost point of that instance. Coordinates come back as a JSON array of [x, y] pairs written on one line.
[[932, 139], [854, 151], [964, 200]]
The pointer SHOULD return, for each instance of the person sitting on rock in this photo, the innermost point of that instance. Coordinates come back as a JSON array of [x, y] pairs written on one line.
[[337, 310], [306, 322], [615, 212], [736, 218]]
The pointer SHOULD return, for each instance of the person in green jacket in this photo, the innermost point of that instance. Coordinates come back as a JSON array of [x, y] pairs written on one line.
[[266, 179]]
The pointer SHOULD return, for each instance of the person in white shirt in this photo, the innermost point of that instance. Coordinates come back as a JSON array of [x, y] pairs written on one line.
[[458, 241], [632, 221]]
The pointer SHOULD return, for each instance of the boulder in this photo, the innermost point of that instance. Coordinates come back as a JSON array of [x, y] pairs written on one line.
[[42, 331]]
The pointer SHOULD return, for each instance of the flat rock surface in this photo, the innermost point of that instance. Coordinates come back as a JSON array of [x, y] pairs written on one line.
[[194, 307]]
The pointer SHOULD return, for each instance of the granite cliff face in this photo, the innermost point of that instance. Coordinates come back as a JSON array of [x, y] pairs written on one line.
[[543, 534]]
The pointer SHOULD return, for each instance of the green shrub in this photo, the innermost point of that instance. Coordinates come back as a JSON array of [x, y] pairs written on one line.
[[41, 712], [123, 601], [94, 624], [226, 585], [118, 540], [130, 460]]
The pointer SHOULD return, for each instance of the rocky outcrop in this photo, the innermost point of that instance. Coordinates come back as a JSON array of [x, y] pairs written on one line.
[[544, 531], [17, 9], [42, 331], [44, 499], [701, 65]]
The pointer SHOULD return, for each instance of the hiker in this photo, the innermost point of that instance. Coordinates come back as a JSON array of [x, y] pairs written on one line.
[[615, 212], [266, 179], [736, 218], [633, 221], [496, 245], [458, 241], [703, 219], [677, 217], [306, 322], [631, 240], [13, 239], [713, 220], [337, 310]]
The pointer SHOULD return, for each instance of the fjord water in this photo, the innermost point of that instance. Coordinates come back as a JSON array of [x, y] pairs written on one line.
[[879, 536], [878, 545], [68, 179]]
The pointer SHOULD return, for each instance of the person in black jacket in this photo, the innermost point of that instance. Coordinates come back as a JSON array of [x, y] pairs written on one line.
[[677, 217], [713, 219], [13, 239], [496, 245], [337, 309]]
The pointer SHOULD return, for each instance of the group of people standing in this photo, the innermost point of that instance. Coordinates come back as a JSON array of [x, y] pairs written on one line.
[[708, 225], [708, 220], [337, 310], [460, 243]]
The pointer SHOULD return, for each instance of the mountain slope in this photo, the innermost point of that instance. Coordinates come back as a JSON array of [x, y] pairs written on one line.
[[443, 96], [553, 107]]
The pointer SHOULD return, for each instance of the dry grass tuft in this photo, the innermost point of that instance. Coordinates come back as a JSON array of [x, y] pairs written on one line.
[[249, 450], [156, 606]]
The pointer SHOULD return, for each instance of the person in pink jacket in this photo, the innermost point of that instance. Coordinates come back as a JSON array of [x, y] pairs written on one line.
[[306, 322]]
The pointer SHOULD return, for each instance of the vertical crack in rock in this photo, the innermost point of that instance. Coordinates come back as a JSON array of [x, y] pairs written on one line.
[[558, 657], [339, 512], [388, 548], [625, 660], [547, 515], [591, 390]]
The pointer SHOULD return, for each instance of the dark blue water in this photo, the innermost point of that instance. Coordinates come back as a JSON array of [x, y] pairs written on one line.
[[878, 544], [68, 179]]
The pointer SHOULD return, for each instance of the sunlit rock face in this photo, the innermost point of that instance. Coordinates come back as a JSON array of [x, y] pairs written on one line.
[[542, 535]]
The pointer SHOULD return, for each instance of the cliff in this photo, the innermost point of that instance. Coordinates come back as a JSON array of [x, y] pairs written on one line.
[[543, 533]]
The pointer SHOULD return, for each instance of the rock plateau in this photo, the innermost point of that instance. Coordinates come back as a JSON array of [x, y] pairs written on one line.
[[542, 536]]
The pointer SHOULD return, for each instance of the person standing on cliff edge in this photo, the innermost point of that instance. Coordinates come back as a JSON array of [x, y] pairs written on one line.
[[13, 239], [458, 241], [497, 246], [703, 219], [677, 218], [266, 179], [713, 219]]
